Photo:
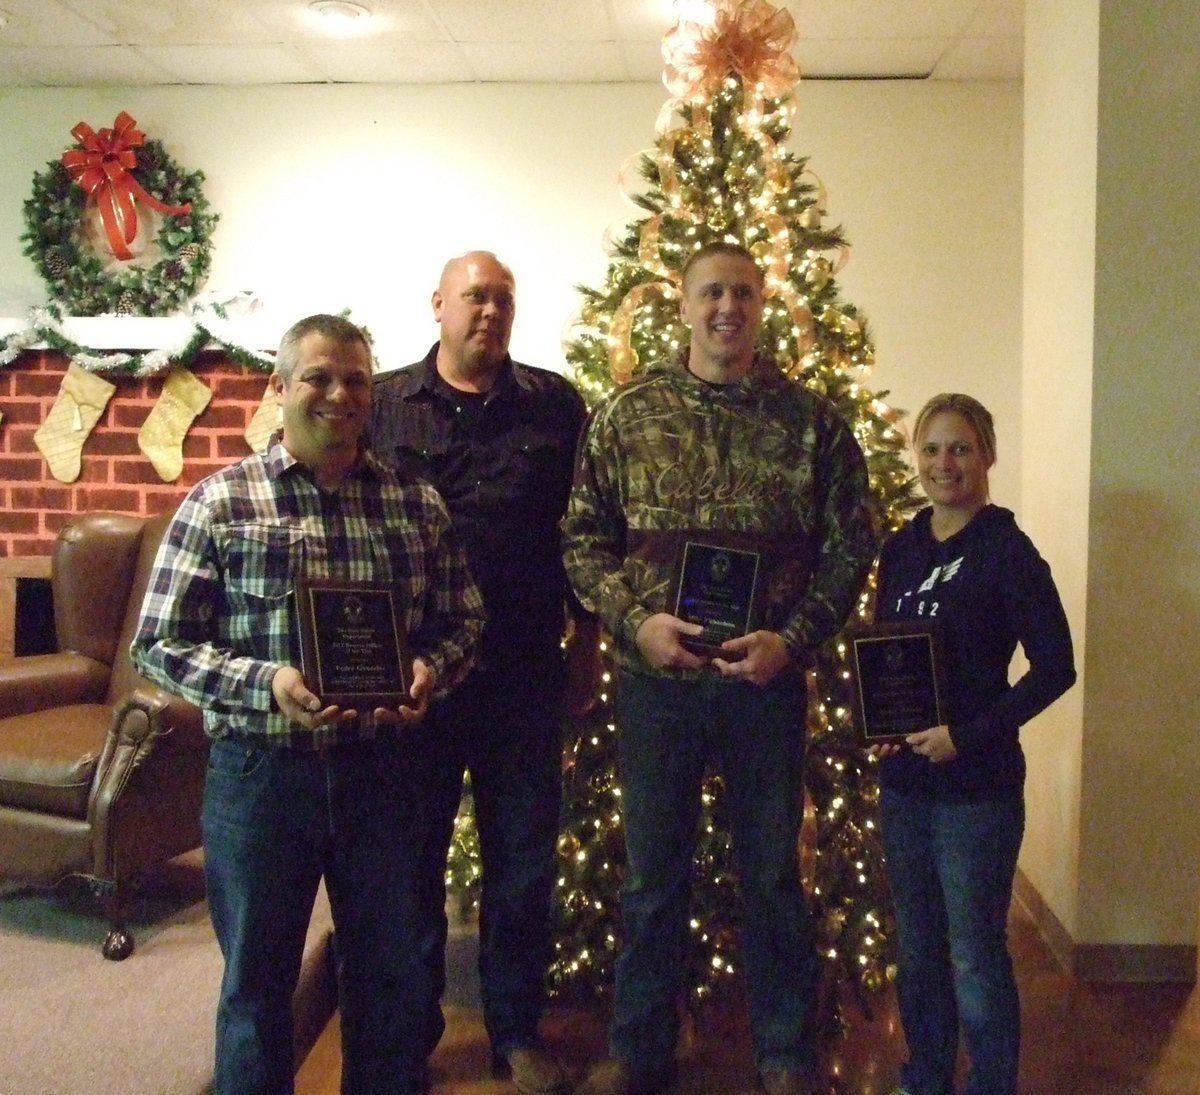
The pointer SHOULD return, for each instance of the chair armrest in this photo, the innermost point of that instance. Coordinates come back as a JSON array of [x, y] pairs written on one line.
[[149, 713], [36, 682], [145, 801]]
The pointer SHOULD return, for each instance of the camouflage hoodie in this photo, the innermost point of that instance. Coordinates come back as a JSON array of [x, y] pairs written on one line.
[[765, 463]]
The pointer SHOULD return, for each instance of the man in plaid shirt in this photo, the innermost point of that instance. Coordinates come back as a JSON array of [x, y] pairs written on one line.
[[298, 789]]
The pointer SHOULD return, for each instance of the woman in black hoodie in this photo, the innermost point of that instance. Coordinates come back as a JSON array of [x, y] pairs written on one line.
[[952, 800]]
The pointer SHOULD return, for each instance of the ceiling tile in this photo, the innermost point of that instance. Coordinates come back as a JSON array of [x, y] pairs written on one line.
[[840, 19], [649, 19], [404, 19], [91, 66], [997, 19], [524, 20], [643, 59], [912, 58], [567, 62], [384, 63], [176, 23], [248, 64], [512, 40], [46, 22]]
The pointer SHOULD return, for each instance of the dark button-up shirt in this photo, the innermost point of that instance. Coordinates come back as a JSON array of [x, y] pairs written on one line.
[[503, 463]]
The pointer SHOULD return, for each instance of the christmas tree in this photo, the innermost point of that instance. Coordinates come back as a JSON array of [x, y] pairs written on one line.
[[720, 169]]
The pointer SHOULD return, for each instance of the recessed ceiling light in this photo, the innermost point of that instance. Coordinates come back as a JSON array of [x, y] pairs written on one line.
[[339, 9]]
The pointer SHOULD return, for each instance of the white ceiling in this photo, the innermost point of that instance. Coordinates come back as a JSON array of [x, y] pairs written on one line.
[[97, 42]]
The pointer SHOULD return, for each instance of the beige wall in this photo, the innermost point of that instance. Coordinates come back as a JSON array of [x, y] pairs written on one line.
[[1110, 382], [348, 196], [1059, 231], [341, 196]]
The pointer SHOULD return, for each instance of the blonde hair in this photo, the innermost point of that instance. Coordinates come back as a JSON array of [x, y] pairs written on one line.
[[976, 414], [720, 247]]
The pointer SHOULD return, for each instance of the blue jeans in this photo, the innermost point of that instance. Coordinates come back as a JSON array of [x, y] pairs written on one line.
[[667, 732], [505, 729], [276, 820], [951, 865]]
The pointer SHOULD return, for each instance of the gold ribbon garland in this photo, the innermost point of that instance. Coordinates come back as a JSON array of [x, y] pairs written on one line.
[[750, 41], [622, 357]]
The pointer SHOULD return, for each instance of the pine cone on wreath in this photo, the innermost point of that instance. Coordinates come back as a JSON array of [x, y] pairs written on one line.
[[56, 265], [75, 276]]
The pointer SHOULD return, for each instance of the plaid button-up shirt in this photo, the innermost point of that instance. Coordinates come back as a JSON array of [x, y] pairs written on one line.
[[218, 619]]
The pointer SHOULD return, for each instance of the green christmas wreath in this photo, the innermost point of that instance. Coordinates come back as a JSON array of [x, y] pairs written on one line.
[[80, 279]]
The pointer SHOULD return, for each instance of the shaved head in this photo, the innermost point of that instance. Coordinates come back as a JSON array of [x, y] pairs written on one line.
[[455, 266], [474, 305]]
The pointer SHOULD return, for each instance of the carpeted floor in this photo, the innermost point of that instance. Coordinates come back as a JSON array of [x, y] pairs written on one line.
[[74, 1023]]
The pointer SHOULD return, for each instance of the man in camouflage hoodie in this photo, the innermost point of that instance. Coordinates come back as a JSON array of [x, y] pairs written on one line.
[[717, 453]]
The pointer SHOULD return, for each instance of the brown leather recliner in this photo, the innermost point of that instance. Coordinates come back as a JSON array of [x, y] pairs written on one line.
[[101, 772]]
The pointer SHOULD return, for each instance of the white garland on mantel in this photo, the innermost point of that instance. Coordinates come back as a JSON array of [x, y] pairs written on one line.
[[47, 330]]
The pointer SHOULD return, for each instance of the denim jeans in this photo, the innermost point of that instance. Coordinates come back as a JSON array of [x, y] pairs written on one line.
[[275, 820], [951, 865], [505, 729], [667, 731]]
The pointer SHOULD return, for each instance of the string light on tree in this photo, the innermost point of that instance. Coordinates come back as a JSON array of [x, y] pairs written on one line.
[[721, 169]]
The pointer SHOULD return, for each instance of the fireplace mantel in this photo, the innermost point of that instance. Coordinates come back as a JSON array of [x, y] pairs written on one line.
[[113, 333]]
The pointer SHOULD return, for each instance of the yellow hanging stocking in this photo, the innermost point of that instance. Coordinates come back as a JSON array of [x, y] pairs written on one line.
[[264, 422], [80, 403], [161, 436]]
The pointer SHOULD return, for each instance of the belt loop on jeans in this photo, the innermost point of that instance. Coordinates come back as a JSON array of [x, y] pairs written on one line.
[[363, 731]]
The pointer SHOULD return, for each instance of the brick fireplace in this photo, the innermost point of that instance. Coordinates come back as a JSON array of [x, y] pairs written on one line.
[[114, 474]]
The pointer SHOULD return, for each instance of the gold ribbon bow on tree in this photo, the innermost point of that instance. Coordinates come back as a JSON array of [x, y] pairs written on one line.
[[103, 168], [747, 38]]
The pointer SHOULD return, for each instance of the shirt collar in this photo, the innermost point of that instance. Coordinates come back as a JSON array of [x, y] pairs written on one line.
[[281, 462], [765, 372], [426, 377]]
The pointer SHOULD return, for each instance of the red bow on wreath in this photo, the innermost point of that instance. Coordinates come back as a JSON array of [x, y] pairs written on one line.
[[102, 167]]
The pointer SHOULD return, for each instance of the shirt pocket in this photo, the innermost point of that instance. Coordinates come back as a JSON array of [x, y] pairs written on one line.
[[539, 471], [261, 560], [424, 460]]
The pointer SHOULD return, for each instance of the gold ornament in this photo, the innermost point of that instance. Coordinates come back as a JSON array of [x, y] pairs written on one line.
[[761, 250], [817, 272], [719, 219]]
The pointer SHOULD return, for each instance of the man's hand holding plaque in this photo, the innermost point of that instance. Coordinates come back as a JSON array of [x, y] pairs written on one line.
[[716, 587], [354, 650]]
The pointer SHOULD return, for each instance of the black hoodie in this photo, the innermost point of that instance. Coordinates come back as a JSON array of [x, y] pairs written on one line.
[[987, 589]]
